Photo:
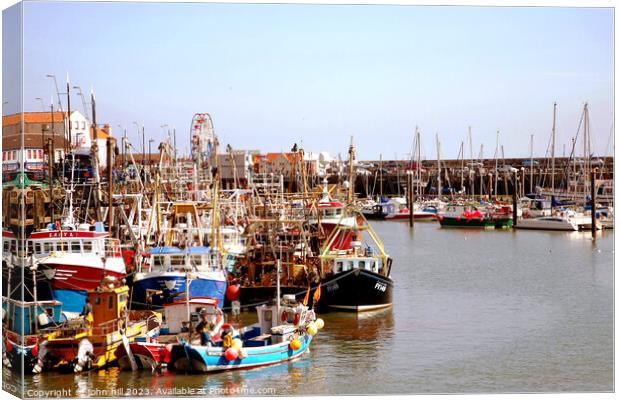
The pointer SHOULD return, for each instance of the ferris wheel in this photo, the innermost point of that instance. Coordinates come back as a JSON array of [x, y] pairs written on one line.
[[203, 139]]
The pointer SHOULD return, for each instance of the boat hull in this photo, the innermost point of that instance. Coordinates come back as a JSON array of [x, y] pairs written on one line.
[[356, 290], [456, 222], [198, 359], [69, 274]]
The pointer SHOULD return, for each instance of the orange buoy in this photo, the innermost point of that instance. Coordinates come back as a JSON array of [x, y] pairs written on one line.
[[295, 344]]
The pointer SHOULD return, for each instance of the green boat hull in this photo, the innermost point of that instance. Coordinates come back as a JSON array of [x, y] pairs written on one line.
[[452, 222]]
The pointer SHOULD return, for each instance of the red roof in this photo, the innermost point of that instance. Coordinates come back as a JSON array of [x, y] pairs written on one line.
[[32, 118]]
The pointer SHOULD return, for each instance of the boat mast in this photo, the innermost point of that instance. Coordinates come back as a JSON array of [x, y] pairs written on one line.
[[471, 163], [438, 168], [351, 182], [418, 166], [381, 175], [586, 150], [495, 156], [553, 151], [462, 154], [531, 162]]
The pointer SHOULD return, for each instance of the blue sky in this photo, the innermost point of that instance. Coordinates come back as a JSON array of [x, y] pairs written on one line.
[[271, 75]]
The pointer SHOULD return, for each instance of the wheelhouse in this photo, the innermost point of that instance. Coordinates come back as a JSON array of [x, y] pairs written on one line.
[[346, 264]]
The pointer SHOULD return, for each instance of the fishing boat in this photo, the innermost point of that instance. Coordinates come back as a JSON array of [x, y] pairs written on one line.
[[283, 333], [76, 259], [24, 332], [153, 353], [465, 216], [419, 213], [91, 342], [353, 277], [166, 275], [376, 210]]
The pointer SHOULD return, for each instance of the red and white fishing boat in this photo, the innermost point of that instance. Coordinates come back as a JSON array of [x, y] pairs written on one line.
[[77, 259]]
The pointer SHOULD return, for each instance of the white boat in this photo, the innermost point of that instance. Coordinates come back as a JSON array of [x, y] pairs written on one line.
[[559, 221]]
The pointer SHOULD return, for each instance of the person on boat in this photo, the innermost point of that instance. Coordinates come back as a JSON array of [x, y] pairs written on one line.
[[204, 328], [87, 312]]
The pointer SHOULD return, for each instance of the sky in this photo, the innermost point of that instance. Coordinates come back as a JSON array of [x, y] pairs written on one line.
[[273, 75]]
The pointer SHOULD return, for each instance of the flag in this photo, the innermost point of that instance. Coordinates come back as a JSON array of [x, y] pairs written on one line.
[[317, 293], [307, 297]]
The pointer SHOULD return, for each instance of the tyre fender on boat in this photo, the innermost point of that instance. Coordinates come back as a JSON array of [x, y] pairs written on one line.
[[85, 350]]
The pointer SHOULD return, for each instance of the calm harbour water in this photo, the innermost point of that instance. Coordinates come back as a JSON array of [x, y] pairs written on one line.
[[474, 312]]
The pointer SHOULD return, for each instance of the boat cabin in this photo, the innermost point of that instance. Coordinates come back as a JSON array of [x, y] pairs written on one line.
[[175, 313], [110, 306], [23, 316], [170, 258], [85, 240], [345, 264]]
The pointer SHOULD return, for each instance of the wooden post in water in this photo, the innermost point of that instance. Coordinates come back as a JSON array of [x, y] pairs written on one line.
[[514, 204], [593, 199]]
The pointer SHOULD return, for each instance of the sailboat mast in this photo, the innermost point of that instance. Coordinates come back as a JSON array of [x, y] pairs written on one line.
[[418, 166], [461, 152], [495, 173], [381, 175], [531, 162], [471, 163], [553, 151], [438, 168]]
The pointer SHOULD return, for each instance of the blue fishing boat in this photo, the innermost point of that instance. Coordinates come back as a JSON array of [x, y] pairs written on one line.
[[171, 269], [283, 333], [27, 323]]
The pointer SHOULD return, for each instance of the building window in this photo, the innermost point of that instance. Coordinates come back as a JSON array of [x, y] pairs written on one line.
[[83, 124], [4, 156]]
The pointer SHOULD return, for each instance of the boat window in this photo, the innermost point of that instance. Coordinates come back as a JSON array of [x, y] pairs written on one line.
[[361, 264], [5, 246], [88, 246], [110, 302], [339, 266], [350, 265], [75, 247], [97, 300], [158, 262], [196, 260], [122, 298], [177, 260]]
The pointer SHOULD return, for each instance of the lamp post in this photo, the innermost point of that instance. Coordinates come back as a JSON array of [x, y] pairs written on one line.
[[79, 89], [57, 91]]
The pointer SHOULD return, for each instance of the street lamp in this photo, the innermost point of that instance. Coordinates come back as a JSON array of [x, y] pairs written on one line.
[[79, 89], [57, 91]]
